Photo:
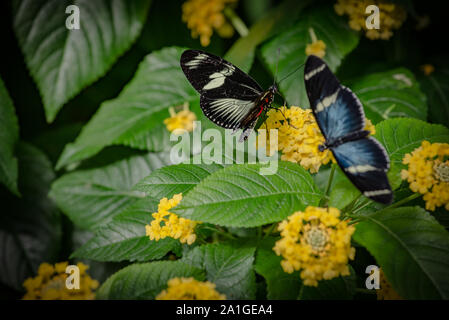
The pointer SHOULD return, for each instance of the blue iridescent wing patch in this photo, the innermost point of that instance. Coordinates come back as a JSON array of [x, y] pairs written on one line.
[[339, 114]]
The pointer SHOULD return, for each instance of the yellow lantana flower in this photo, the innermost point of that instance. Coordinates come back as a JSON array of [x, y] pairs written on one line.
[[167, 224], [386, 291], [317, 47], [205, 16], [50, 284], [316, 242], [428, 173], [190, 289], [299, 141], [391, 16], [427, 69], [182, 120]]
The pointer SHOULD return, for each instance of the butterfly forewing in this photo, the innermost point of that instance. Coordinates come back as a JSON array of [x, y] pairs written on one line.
[[336, 108], [339, 114], [229, 97]]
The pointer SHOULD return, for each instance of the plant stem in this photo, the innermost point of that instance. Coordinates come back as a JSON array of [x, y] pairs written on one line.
[[220, 232], [273, 226], [325, 198], [405, 200], [236, 22]]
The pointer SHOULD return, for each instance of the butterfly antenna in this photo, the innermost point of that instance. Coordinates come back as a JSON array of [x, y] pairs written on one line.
[[277, 63], [288, 75]]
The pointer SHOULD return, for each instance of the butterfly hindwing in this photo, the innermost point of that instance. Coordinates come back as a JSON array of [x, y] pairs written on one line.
[[366, 163], [336, 108], [216, 78]]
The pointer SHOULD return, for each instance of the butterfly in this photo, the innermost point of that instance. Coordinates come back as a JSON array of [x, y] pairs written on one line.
[[341, 119], [228, 96]]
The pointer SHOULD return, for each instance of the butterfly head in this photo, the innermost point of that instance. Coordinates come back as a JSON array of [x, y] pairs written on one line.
[[274, 89], [322, 147]]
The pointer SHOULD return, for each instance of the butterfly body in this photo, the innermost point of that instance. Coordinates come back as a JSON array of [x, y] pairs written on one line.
[[341, 119], [228, 97]]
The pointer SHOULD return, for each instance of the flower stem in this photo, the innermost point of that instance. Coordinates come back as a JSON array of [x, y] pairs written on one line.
[[220, 232], [236, 22], [325, 198], [405, 200], [267, 234]]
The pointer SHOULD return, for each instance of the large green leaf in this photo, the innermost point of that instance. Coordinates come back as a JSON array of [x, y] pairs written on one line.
[[401, 136], [412, 249], [140, 108], [146, 280], [436, 87], [124, 237], [9, 135], [390, 94], [243, 51], [228, 266], [92, 197], [180, 178], [30, 227], [280, 285], [63, 61], [329, 27], [240, 196]]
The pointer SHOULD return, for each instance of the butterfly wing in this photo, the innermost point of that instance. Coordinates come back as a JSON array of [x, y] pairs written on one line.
[[228, 95], [366, 163], [336, 108]]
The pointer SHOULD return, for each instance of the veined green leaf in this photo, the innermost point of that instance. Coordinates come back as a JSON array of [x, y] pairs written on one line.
[[9, 135], [63, 61], [240, 196], [180, 178], [228, 266], [30, 227], [124, 237], [93, 197], [329, 27], [141, 107], [390, 94], [145, 280], [411, 248]]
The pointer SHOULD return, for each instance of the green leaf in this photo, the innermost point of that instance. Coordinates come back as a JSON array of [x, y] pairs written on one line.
[[401, 136], [180, 178], [240, 196], [411, 248], [390, 94], [280, 285], [141, 107], [146, 280], [30, 227], [243, 51], [9, 135], [93, 197], [124, 237], [228, 266], [329, 27], [62, 61], [436, 88], [341, 288]]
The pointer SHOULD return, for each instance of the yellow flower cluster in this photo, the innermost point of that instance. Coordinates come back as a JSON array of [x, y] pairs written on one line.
[[316, 242], [50, 284], [391, 16], [205, 16], [386, 291], [190, 289], [299, 141], [428, 173], [172, 225], [182, 120], [317, 47]]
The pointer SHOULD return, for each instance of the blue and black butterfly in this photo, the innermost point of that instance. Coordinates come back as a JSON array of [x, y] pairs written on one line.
[[339, 114], [228, 96]]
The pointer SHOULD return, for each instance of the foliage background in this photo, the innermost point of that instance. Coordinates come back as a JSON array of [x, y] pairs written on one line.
[[101, 190]]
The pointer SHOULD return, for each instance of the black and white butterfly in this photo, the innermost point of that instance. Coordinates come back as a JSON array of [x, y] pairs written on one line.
[[339, 114], [229, 97]]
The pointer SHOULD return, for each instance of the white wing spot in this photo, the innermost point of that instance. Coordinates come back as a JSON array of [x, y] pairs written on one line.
[[327, 101], [195, 62], [360, 169], [376, 192], [314, 72], [218, 78]]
